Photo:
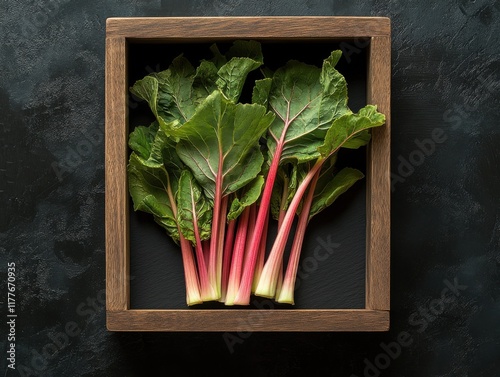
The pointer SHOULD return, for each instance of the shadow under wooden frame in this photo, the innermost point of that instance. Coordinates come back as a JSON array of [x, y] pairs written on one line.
[[121, 31]]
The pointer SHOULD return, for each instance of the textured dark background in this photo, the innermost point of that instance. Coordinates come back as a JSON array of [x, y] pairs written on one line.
[[445, 217]]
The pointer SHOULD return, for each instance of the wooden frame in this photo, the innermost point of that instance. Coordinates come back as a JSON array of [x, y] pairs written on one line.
[[375, 315]]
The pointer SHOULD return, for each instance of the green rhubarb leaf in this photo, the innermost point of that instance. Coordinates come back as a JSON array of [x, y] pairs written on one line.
[[306, 99], [147, 90], [345, 130], [250, 195], [218, 59], [244, 57], [334, 96], [261, 91], [193, 208], [359, 140], [267, 72], [329, 188], [246, 49], [163, 152], [175, 85], [182, 89], [222, 140], [284, 188], [154, 170], [149, 188], [205, 79], [232, 76], [174, 94], [141, 139], [159, 153]]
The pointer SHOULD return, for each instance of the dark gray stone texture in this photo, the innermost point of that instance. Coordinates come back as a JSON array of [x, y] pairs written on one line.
[[445, 203]]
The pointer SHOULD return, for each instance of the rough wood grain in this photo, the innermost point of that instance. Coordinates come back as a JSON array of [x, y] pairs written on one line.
[[212, 28], [248, 320], [378, 176], [116, 203]]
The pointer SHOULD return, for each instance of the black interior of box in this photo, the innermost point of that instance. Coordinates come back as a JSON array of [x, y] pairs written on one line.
[[332, 269]]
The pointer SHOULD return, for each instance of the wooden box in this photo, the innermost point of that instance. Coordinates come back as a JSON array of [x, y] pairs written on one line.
[[121, 33]]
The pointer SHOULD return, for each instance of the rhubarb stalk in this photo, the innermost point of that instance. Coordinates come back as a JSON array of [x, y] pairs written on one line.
[[243, 297], [285, 292], [259, 265], [268, 280], [238, 256], [228, 253], [193, 296]]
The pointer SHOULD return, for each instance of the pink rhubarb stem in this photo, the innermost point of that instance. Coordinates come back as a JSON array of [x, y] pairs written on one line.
[[243, 296], [269, 277], [259, 265], [206, 250], [226, 262], [279, 280], [193, 296], [281, 217], [286, 294], [220, 243], [252, 217], [238, 257], [207, 291], [218, 212]]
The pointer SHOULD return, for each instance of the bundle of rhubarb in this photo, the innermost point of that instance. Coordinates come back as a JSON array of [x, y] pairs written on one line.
[[214, 172]]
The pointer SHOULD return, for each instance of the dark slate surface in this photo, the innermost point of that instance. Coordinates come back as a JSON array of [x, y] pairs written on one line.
[[445, 217]]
